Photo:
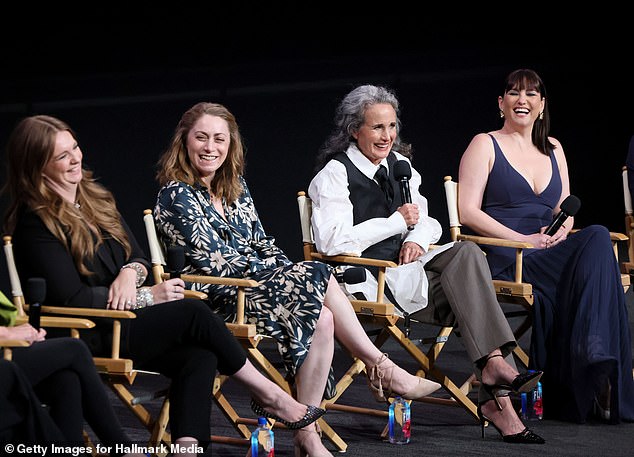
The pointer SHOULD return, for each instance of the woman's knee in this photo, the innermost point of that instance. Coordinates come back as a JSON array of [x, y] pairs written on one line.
[[597, 230], [199, 311], [78, 348], [200, 362], [470, 250], [326, 323], [597, 235], [71, 350]]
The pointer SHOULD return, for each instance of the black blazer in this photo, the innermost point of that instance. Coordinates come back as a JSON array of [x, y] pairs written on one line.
[[38, 253]]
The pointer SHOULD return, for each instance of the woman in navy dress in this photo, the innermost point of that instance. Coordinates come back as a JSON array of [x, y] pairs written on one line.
[[512, 182]]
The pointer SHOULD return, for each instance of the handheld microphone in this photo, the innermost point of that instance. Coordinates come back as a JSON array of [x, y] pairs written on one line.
[[35, 294], [353, 275], [175, 261], [403, 173], [569, 208]]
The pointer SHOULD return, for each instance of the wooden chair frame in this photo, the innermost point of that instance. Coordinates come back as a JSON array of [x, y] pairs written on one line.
[[627, 267], [515, 291], [246, 335], [118, 373], [382, 313]]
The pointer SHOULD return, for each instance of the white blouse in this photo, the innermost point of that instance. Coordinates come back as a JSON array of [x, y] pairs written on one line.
[[335, 232]]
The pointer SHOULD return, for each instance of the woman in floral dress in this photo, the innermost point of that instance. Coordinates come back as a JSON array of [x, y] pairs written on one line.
[[204, 205]]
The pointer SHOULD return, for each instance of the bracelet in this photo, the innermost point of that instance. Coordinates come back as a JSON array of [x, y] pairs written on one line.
[[141, 274], [144, 298]]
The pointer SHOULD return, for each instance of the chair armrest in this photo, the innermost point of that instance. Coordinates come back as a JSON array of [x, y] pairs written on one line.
[[495, 241], [89, 312], [519, 246], [8, 345], [382, 265], [14, 343], [221, 281], [195, 294], [113, 314], [58, 322], [353, 260], [240, 283], [616, 236]]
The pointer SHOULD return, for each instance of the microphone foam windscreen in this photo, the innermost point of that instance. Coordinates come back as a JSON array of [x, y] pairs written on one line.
[[35, 291], [402, 170], [354, 275], [175, 258], [570, 205]]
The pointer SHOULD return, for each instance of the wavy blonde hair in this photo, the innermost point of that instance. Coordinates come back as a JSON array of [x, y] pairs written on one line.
[[174, 164], [31, 145]]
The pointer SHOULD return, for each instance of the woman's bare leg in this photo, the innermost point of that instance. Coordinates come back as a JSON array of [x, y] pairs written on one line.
[[311, 379], [350, 333], [269, 395]]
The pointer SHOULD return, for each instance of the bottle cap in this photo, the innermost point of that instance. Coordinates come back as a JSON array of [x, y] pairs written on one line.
[[262, 421]]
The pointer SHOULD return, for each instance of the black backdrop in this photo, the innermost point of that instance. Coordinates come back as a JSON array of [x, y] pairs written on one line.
[[125, 100]]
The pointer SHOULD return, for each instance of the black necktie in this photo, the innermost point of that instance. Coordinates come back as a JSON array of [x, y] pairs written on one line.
[[384, 182]]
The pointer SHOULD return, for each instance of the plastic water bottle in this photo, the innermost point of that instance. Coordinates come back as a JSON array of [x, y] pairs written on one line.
[[262, 442], [399, 421], [532, 405]]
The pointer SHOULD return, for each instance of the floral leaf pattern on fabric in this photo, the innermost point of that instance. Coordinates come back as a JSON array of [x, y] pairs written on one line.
[[288, 301]]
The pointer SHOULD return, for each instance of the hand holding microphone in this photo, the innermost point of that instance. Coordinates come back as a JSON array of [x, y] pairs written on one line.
[[569, 208], [403, 173], [173, 288], [175, 261]]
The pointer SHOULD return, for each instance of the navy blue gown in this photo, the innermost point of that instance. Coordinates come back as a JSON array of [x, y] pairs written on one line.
[[580, 335]]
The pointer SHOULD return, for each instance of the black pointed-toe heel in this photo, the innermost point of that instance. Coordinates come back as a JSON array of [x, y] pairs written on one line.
[[526, 436], [312, 414], [524, 382]]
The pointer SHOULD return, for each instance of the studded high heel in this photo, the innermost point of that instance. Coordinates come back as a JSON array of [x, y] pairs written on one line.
[[312, 414], [524, 382], [526, 436], [377, 378]]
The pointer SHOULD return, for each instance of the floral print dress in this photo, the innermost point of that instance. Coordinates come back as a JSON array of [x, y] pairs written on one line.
[[288, 301]]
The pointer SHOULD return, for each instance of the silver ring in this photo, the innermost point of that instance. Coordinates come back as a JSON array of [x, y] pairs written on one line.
[[129, 302]]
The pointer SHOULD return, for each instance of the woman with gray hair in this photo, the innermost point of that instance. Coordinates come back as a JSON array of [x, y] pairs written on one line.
[[356, 210], [204, 205]]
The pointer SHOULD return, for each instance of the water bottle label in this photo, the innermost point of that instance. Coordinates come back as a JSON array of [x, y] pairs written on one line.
[[267, 444], [407, 429], [537, 408]]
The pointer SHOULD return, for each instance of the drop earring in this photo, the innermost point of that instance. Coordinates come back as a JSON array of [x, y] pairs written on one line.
[[541, 116], [502, 114]]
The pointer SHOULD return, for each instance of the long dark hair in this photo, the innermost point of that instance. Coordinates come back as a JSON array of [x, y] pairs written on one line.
[[31, 145]]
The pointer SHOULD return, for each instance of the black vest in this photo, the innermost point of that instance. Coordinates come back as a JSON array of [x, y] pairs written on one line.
[[368, 202]]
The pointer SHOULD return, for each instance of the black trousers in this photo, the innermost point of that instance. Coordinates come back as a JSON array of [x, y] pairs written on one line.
[[63, 376], [23, 418], [187, 342]]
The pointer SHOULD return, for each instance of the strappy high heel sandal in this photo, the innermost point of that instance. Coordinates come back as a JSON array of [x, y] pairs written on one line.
[[312, 414], [526, 436], [377, 378], [524, 382]]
